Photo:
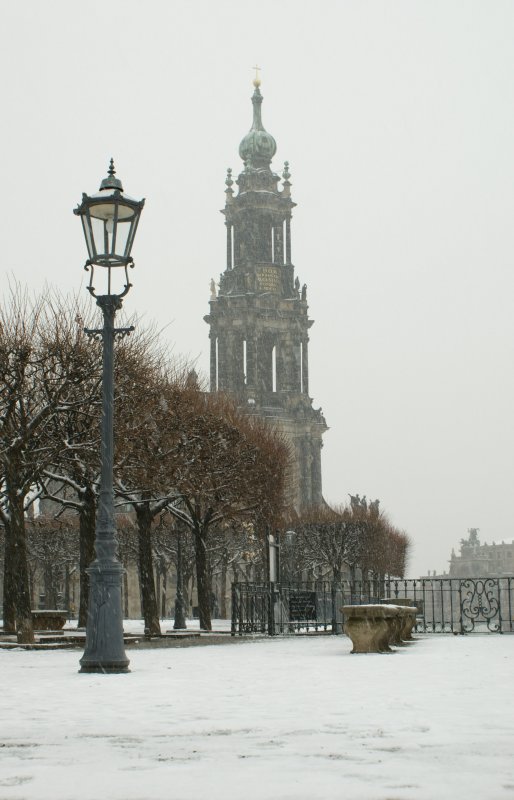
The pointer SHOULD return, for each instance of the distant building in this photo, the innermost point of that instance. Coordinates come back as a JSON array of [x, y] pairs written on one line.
[[482, 560], [258, 319]]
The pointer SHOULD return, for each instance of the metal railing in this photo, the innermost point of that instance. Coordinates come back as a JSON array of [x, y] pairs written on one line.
[[444, 605]]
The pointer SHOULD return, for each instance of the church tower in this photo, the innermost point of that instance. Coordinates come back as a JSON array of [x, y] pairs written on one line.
[[259, 323]]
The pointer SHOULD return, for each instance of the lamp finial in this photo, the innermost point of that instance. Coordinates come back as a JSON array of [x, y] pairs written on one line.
[[110, 182]]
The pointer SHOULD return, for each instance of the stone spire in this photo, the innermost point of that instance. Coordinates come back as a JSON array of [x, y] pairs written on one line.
[[258, 147]]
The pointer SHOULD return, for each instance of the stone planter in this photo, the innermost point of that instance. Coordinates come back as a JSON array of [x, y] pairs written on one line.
[[409, 619], [369, 627]]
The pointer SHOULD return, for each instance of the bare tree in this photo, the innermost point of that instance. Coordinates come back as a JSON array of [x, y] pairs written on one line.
[[358, 535], [34, 387], [71, 476], [322, 535], [128, 551], [227, 467], [72, 479], [53, 554], [173, 546], [233, 547], [145, 441]]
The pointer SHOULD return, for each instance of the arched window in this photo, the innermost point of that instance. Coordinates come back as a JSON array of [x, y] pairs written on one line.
[[216, 370], [301, 367]]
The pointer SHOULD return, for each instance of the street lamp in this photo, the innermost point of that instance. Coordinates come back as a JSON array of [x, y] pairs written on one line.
[[110, 220], [287, 557]]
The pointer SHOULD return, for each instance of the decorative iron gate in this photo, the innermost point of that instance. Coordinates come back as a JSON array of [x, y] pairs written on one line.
[[445, 605]]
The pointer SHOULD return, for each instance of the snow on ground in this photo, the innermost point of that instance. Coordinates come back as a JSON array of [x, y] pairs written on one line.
[[137, 626], [281, 719]]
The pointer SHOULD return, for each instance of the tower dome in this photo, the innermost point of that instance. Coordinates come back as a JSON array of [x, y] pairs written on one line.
[[258, 146]]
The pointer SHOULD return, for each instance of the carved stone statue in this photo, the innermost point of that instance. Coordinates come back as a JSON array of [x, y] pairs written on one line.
[[374, 506], [213, 289], [304, 291]]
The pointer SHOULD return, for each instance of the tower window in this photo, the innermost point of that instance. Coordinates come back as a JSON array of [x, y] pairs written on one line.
[[230, 246], [301, 367], [245, 369], [277, 243], [274, 369], [217, 365]]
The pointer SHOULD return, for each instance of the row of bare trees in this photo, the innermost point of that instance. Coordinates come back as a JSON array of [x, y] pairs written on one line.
[[330, 542], [177, 449], [233, 551], [181, 455], [355, 540]]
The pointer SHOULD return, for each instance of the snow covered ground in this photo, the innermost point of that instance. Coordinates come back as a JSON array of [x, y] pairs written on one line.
[[283, 719]]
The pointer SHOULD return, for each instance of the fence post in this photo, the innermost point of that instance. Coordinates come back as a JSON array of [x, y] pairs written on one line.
[[499, 606], [271, 609], [336, 589], [233, 617], [461, 623]]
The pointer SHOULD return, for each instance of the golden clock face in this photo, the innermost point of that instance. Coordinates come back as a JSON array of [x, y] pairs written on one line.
[[268, 279]]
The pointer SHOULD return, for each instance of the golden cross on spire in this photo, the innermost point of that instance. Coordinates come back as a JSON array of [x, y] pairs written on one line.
[[256, 80]]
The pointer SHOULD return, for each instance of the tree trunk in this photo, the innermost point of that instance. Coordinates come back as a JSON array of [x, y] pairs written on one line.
[[188, 587], [203, 583], [223, 591], [164, 606], [67, 588], [87, 522], [236, 572], [149, 609], [50, 588], [157, 580], [32, 588], [9, 584], [20, 572], [179, 616]]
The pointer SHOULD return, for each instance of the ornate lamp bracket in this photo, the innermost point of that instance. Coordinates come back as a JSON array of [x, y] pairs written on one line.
[[89, 266]]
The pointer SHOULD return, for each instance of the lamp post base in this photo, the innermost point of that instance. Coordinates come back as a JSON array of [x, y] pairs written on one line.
[[103, 668], [104, 651]]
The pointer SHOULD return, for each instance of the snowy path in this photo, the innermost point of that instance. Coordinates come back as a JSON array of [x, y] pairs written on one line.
[[293, 719]]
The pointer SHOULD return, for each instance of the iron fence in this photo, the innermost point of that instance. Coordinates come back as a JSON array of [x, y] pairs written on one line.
[[444, 605]]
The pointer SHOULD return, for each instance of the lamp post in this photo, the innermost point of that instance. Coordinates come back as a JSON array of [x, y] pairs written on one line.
[[287, 557], [109, 219]]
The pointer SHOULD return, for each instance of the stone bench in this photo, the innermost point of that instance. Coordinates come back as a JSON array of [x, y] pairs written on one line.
[[374, 627], [49, 620]]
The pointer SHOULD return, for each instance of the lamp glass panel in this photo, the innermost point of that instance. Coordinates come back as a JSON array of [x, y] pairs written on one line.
[[122, 236], [132, 233], [87, 235], [98, 226], [105, 210]]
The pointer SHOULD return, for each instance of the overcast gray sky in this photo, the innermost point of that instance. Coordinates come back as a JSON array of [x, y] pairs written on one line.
[[397, 120]]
